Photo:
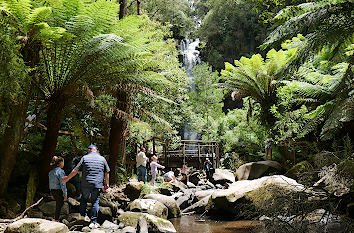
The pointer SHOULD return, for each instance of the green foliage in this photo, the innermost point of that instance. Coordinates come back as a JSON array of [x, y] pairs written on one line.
[[176, 13], [253, 77], [230, 30], [206, 101]]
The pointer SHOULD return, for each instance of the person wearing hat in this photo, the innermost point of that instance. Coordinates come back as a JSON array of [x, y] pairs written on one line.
[[95, 172], [207, 167]]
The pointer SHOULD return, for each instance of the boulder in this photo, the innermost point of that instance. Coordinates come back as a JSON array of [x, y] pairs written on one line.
[[105, 213], [155, 224], [198, 207], [48, 208], [232, 201], [190, 185], [133, 190], [178, 186], [36, 225], [203, 193], [149, 206], [222, 176], [194, 178], [173, 209], [110, 225], [254, 170], [143, 225]]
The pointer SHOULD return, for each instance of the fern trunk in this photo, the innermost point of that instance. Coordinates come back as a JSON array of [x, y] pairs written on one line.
[[123, 5], [54, 119], [117, 138]]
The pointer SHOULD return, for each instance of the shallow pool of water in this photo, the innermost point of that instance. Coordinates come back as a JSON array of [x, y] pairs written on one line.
[[195, 224]]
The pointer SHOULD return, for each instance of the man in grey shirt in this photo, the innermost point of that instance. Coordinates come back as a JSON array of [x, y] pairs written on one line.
[[94, 169]]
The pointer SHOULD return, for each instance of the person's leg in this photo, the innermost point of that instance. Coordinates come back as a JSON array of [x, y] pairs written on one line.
[[153, 177], [59, 202], [270, 154], [85, 193], [140, 173], [95, 198], [266, 152], [145, 174]]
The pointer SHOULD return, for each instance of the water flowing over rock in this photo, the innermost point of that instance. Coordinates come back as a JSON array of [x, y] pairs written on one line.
[[36, 225], [254, 170]]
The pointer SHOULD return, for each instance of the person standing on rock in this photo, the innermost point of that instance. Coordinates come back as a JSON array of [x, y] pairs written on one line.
[[141, 160], [57, 187], [268, 148], [207, 167], [154, 165], [95, 171]]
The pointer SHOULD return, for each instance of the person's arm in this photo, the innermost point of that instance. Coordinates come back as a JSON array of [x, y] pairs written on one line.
[[63, 185], [71, 175], [160, 166], [106, 180]]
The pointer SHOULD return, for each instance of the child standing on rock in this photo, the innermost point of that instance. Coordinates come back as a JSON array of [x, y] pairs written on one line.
[[57, 188], [154, 165]]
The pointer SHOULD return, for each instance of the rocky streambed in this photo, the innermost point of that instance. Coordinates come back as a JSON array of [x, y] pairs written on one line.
[[176, 207]]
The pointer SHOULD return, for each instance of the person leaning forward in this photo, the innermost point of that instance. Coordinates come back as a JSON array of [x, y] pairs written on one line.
[[95, 170]]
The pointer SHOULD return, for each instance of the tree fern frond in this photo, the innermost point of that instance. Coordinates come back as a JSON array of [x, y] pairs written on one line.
[[20, 9], [38, 15]]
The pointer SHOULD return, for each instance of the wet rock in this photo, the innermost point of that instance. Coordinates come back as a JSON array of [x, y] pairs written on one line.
[[222, 176], [36, 225], [258, 169], [202, 194], [105, 213], [190, 185], [173, 209], [155, 224], [48, 208], [149, 206], [178, 186], [133, 190]]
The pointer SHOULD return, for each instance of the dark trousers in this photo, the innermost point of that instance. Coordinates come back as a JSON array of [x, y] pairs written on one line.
[[95, 200], [59, 201]]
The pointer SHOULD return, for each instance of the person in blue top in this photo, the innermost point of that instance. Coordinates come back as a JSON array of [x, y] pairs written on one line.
[[95, 170], [57, 187]]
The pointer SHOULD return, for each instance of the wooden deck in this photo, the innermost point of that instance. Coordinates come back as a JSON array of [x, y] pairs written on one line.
[[194, 152]]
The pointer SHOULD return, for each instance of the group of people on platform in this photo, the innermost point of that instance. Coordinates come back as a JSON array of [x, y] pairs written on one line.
[[95, 178], [141, 164]]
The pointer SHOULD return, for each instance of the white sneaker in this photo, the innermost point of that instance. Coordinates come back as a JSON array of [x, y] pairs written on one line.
[[94, 225]]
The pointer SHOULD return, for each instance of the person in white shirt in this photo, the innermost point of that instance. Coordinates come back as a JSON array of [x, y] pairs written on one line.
[[154, 165], [141, 160]]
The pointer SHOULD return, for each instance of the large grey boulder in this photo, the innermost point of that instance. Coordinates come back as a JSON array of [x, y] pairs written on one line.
[[173, 209], [133, 190], [222, 176], [37, 225], [232, 201], [155, 224], [198, 207], [203, 193], [194, 178], [149, 206], [254, 170], [48, 208]]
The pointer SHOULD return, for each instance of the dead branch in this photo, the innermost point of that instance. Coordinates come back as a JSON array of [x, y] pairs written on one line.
[[21, 215]]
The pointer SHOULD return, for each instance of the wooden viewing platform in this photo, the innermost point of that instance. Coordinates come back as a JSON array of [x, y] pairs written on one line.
[[194, 152]]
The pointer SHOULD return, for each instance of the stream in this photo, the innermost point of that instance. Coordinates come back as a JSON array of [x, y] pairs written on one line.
[[195, 224]]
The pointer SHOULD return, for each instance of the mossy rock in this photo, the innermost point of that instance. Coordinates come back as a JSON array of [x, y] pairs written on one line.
[[298, 169], [36, 225]]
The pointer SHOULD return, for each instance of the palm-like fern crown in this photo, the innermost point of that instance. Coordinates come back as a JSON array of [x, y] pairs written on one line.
[[323, 23], [253, 76]]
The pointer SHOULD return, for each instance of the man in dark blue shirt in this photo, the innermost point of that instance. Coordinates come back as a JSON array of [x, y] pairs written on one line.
[[95, 170]]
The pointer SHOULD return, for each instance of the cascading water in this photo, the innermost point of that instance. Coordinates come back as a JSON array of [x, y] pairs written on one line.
[[191, 58]]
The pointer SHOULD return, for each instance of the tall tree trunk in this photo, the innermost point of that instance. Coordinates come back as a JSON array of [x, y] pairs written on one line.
[[117, 137], [138, 7], [13, 135], [14, 130], [123, 8], [54, 119]]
